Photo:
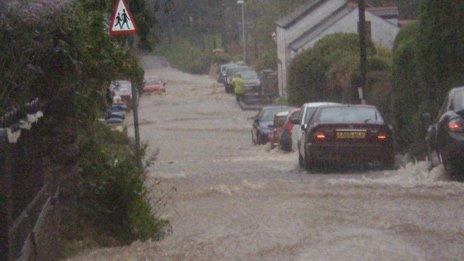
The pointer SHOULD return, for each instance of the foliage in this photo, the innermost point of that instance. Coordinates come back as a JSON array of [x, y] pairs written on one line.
[[61, 53], [107, 194], [441, 48], [262, 16], [329, 70], [184, 56], [428, 62]]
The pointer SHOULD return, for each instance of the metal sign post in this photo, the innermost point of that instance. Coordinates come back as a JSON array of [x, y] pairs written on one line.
[[135, 109], [122, 23]]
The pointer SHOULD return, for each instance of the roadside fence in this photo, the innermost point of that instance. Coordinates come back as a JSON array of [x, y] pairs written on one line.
[[28, 213]]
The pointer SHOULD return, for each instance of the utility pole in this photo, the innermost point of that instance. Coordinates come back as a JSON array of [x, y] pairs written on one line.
[[362, 49], [222, 13], [242, 2]]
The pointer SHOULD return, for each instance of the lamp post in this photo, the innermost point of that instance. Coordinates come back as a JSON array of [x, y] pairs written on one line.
[[242, 3]]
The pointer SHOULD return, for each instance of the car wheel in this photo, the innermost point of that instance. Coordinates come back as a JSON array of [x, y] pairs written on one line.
[[260, 139], [389, 162], [309, 163], [286, 142], [300, 160], [253, 139], [453, 169]]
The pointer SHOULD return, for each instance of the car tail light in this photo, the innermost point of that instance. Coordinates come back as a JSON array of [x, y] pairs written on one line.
[[320, 136], [382, 136], [455, 126]]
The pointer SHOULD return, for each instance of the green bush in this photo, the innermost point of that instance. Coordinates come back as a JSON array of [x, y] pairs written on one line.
[[440, 43], [428, 62], [63, 55], [106, 197], [407, 94], [329, 70]]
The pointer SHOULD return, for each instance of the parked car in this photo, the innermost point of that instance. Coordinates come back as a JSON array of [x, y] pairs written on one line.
[[285, 139], [118, 107], [279, 121], [346, 134], [445, 136], [115, 114], [251, 80], [223, 71], [230, 73], [112, 121], [306, 113], [263, 123], [155, 86], [122, 92]]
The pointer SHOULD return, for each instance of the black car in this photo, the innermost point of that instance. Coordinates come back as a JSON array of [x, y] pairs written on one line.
[[223, 71], [445, 136], [263, 125], [339, 134]]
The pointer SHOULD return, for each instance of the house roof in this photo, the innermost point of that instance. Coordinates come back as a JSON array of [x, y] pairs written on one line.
[[387, 12], [322, 26], [299, 13]]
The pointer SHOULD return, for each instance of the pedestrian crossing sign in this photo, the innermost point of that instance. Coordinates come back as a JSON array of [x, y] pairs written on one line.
[[122, 21]]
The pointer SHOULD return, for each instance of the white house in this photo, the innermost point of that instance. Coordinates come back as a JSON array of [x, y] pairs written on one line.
[[317, 18]]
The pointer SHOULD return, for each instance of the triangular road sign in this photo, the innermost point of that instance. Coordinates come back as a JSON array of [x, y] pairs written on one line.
[[122, 21]]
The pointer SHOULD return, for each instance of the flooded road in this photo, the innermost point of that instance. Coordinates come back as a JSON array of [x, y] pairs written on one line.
[[227, 199]]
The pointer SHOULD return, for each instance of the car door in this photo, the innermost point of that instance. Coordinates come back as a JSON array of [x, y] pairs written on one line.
[[441, 128], [305, 123], [299, 128]]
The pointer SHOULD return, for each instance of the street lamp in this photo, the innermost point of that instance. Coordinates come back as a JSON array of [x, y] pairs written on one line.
[[242, 3]]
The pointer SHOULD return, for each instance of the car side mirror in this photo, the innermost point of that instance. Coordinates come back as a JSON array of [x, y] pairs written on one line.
[[426, 118]]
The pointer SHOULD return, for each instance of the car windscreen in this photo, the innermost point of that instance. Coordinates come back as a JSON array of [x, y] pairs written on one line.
[[268, 114], [350, 115]]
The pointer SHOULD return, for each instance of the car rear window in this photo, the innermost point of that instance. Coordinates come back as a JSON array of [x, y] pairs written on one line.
[[268, 114], [309, 114], [350, 115], [458, 101]]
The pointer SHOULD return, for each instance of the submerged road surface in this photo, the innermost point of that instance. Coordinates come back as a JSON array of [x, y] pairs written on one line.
[[227, 199]]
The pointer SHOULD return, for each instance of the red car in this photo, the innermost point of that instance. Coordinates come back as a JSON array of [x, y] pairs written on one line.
[[155, 86], [286, 133], [279, 121]]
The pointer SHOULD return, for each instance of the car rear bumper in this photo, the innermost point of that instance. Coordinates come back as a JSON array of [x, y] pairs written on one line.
[[349, 152]]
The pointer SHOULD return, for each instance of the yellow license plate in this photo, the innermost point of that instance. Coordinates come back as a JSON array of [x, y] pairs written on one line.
[[351, 135]]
